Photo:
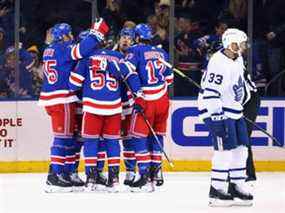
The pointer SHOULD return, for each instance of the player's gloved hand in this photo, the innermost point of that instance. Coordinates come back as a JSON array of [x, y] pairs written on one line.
[[217, 124], [99, 63], [99, 28], [139, 105]]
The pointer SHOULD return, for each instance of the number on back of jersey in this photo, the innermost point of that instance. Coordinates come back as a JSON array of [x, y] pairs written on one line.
[[50, 71]]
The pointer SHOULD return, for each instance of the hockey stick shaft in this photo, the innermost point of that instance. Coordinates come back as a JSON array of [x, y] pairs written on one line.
[[263, 130], [180, 73]]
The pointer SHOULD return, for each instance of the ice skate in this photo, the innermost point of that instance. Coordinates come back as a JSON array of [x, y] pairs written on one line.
[[90, 184], [113, 180], [130, 177], [241, 195], [77, 182], [57, 184], [101, 181], [219, 198], [142, 184], [156, 176]]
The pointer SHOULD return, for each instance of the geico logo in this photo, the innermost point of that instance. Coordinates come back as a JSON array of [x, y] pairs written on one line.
[[188, 130]]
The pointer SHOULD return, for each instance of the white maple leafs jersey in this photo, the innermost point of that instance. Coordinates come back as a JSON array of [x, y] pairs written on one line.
[[223, 87]]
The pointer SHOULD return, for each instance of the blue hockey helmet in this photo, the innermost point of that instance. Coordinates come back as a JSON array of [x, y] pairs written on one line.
[[83, 34], [127, 32], [143, 31], [59, 30]]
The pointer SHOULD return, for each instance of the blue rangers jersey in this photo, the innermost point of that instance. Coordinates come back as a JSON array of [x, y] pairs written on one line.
[[59, 60], [154, 76], [223, 87], [100, 88]]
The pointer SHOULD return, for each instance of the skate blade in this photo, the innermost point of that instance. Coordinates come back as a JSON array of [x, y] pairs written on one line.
[[57, 189], [95, 188], [239, 202], [78, 188], [112, 189], [144, 189], [213, 202]]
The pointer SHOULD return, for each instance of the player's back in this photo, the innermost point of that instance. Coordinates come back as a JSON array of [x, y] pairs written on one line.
[[57, 68], [152, 72], [101, 91]]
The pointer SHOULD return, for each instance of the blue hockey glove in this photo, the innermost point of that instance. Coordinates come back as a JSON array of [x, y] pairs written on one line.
[[139, 104], [217, 125]]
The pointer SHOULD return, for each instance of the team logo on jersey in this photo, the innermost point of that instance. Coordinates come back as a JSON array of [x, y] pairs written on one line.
[[129, 56], [239, 89]]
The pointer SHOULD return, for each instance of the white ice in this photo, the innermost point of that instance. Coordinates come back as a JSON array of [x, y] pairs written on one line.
[[182, 193]]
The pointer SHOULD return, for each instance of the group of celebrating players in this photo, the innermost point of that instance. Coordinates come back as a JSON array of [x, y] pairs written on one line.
[[96, 96], [119, 91]]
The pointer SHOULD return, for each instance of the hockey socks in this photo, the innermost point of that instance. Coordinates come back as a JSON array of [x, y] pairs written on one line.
[[69, 165], [220, 169], [113, 152], [90, 149], [57, 155], [238, 165], [155, 151], [101, 155], [129, 155], [142, 155]]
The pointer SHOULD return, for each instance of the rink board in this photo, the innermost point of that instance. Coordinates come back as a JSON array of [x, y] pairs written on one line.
[[25, 137]]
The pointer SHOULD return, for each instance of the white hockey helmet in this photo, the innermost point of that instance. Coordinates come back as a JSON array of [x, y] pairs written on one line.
[[233, 35]]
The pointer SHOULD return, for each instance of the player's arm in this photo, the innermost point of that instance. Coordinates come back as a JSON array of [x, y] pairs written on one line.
[[85, 47], [214, 83], [26, 58], [167, 72], [126, 71], [77, 76]]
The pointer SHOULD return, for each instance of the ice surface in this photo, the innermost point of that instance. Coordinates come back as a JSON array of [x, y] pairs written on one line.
[[182, 193]]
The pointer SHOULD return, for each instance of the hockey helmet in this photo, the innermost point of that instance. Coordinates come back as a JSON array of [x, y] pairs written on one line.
[[59, 30], [126, 31], [143, 31], [233, 35]]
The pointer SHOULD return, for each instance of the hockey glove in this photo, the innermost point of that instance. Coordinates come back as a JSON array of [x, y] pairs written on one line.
[[139, 104], [217, 125], [99, 29]]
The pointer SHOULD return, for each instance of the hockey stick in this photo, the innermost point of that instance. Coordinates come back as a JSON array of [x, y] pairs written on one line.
[[273, 80], [147, 121], [265, 132], [181, 74]]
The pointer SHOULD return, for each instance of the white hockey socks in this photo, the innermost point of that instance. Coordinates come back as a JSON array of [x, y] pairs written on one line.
[[238, 165], [220, 169]]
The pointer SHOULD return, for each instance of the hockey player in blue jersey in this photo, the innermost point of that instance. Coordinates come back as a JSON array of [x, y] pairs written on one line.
[[59, 59], [99, 78], [101, 180], [220, 104], [126, 39], [154, 78]]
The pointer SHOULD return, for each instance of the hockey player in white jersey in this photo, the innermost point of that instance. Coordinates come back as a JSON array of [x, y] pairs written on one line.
[[220, 105]]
